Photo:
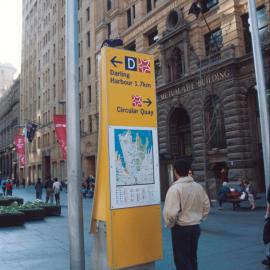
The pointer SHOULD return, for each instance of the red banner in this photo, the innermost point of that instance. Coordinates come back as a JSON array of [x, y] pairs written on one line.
[[61, 132], [20, 147]]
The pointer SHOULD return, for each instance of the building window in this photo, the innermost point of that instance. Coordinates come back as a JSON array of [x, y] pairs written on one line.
[[214, 122], [109, 29], [131, 15], [208, 4], [90, 124], [133, 11], [175, 64], [131, 46], [129, 22], [213, 41], [79, 4], [149, 6], [88, 39], [89, 65], [109, 4], [178, 63], [79, 73], [88, 14], [262, 25], [152, 36], [54, 91], [89, 94]]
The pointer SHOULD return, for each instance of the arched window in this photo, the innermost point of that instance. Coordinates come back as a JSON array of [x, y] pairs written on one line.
[[214, 123], [177, 64], [180, 134], [174, 65]]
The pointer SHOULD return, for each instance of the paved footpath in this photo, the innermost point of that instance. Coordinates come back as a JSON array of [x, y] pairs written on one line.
[[230, 240]]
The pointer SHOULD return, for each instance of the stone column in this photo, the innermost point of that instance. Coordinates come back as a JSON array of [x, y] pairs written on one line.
[[196, 121], [237, 134]]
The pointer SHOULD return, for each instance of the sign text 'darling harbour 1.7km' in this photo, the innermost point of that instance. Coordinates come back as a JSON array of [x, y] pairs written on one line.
[[132, 73]]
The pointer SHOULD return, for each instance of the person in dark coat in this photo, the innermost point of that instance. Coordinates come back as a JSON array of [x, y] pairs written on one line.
[[38, 188], [266, 232], [49, 190]]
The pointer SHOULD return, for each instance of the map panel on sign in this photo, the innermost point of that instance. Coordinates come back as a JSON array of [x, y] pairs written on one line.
[[133, 167], [134, 157]]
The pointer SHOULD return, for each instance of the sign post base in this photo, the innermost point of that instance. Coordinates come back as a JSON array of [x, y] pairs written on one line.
[[99, 253], [99, 250]]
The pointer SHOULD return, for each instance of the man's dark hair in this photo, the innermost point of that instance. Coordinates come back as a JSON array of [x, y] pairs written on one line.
[[181, 167]]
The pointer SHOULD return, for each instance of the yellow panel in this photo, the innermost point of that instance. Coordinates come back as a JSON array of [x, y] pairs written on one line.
[[101, 201], [136, 236], [140, 84]]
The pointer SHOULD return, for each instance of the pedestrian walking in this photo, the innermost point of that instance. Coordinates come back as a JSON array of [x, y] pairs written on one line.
[[266, 232], [38, 188], [9, 187], [186, 205], [49, 190], [56, 190], [4, 182]]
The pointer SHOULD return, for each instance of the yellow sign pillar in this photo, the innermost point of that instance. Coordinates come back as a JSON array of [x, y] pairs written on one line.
[[127, 196]]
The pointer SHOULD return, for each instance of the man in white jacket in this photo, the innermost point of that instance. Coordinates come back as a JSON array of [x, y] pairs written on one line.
[[186, 205], [57, 189]]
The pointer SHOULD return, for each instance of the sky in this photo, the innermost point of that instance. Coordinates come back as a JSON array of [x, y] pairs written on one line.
[[10, 32]]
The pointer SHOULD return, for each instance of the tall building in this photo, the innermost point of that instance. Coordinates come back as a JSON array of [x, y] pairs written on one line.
[[9, 125], [7, 72], [206, 89], [43, 85]]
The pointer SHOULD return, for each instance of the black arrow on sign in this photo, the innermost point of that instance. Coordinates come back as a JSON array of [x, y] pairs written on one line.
[[114, 61], [148, 102]]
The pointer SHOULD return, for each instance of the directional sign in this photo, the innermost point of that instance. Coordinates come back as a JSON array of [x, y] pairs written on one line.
[[131, 88], [127, 193]]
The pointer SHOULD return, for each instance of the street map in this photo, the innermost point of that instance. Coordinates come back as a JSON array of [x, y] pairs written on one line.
[[134, 157], [133, 170]]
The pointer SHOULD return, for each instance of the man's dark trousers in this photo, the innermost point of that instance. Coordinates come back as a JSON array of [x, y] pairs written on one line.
[[185, 243]]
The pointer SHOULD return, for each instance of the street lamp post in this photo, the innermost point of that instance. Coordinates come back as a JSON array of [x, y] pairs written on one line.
[[75, 215], [262, 97]]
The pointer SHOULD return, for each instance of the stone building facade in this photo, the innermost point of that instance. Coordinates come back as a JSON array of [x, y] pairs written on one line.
[[43, 85], [9, 125], [206, 90]]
